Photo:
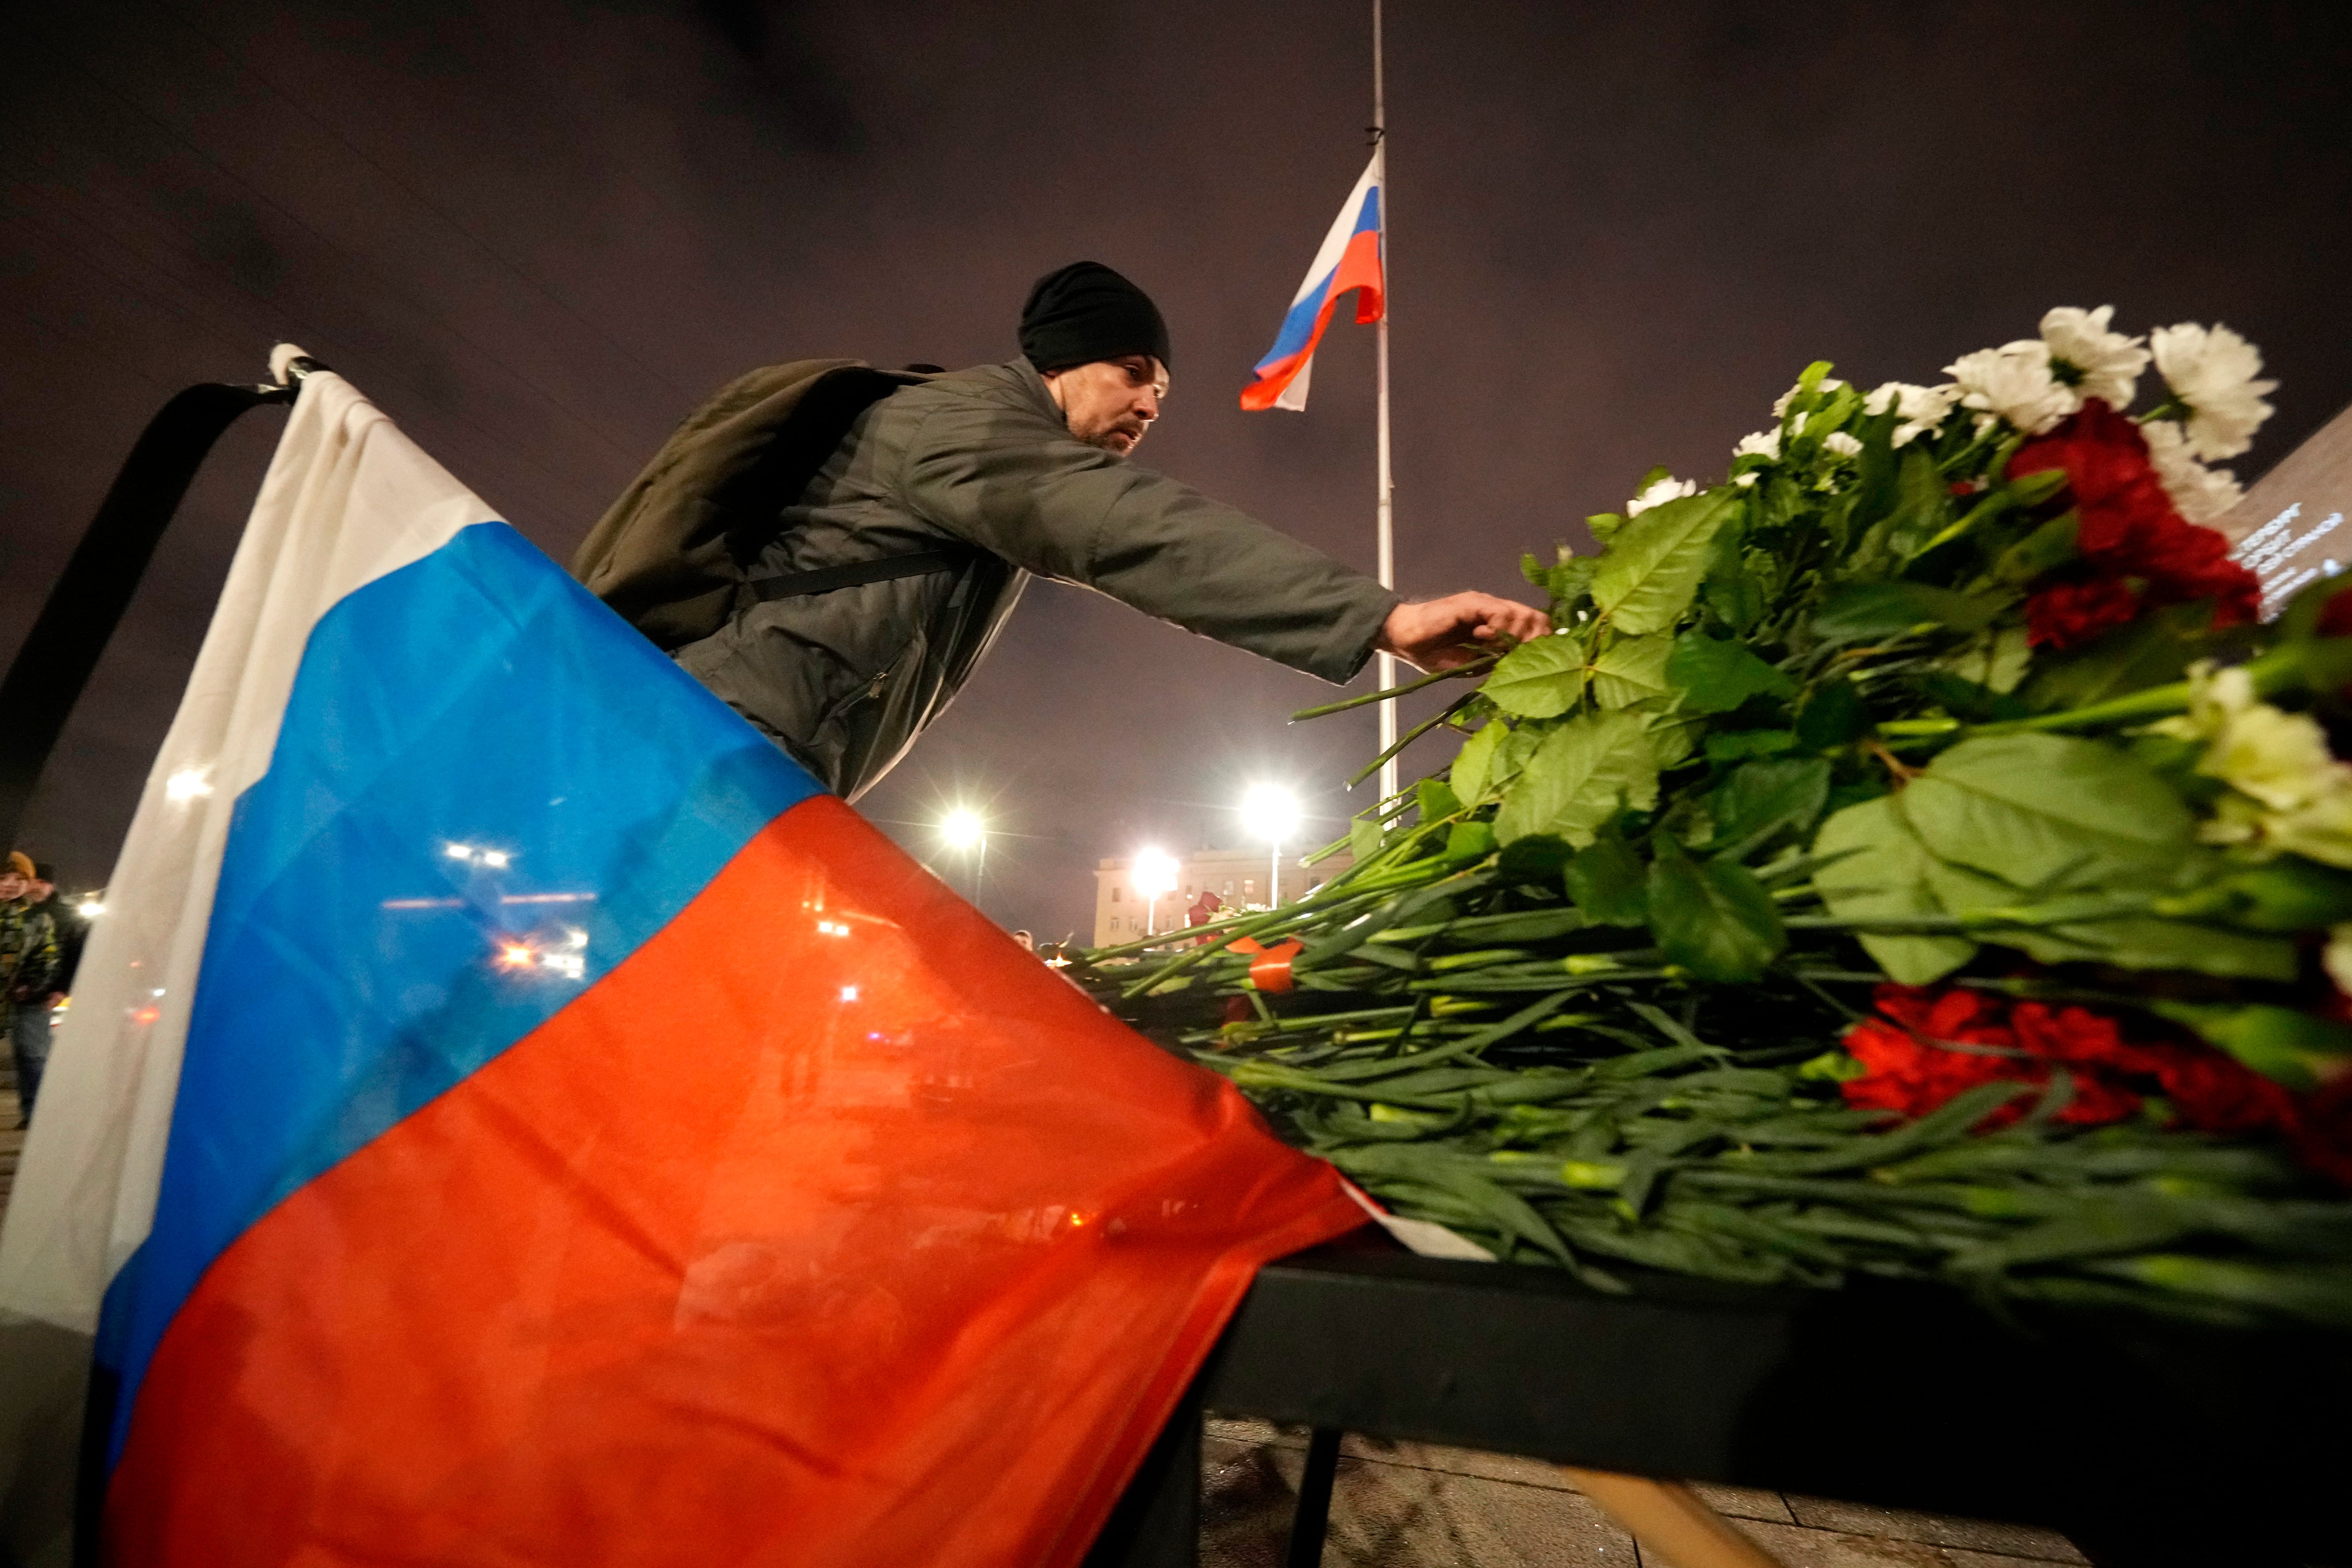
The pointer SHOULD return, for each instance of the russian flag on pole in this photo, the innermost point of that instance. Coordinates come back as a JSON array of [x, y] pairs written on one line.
[[510, 1114], [1350, 258]]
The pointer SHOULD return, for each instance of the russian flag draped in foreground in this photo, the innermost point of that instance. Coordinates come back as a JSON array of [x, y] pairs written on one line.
[[1350, 258], [511, 1115]]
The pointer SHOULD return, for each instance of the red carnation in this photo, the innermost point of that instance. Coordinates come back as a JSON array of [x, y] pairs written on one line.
[[2215, 1093], [2136, 548], [2067, 613], [1926, 1047]]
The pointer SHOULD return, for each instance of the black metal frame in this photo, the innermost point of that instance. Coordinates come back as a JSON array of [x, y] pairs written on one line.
[[2146, 1443], [54, 664]]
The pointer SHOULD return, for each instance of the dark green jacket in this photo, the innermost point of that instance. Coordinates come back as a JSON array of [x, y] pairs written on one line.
[[28, 956], [844, 681]]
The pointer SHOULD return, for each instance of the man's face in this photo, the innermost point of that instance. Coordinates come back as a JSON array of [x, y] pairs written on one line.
[[12, 886], [1111, 403], [41, 890]]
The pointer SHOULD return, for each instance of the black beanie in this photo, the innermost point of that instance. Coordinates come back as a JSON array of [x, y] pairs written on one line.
[[1087, 312]]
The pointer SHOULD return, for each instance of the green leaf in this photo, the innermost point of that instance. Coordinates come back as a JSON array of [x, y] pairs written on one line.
[[2047, 548], [1436, 801], [1715, 675], [1733, 745], [1631, 669], [1577, 777], [1363, 839], [1880, 873], [2152, 651], [1967, 701], [1712, 918], [1538, 858], [1732, 588], [1571, 581], [1923, 508], [2296, 1049], [2131, 943], [1469, 841], [2047, 812], [1511, 755], [1608, 884], [1995, 660], [1604, 525], [1760, 801], [1833, 717], [2287, 894], [1654, 565], [1473, 761], [1541, 679], [1864, 611]]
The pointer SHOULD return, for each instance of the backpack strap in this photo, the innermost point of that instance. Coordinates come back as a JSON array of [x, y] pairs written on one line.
[[800, 584], [673, 553]]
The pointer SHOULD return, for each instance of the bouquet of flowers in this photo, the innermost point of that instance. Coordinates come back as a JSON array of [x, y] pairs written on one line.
[[1913, 854]]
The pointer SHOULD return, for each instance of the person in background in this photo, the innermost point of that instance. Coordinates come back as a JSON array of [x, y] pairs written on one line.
[[72, 927], [28, 968]]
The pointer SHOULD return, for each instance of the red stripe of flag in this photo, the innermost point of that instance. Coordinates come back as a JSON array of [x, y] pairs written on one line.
[[776, 1245]]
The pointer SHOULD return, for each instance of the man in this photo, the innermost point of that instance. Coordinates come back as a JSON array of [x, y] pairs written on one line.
[[983, 478], [28, 965]]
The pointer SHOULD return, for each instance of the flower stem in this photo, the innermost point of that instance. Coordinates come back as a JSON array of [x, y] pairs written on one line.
[[1463, 672]]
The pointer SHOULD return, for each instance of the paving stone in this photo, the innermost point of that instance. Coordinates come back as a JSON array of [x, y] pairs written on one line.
[[1744, 1502], [1396, 1516], [1974, 1534], [1798, 1547], [1458, 1461]]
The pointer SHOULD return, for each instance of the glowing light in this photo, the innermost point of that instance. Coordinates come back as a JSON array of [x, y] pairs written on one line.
[[91, 908], [849, 993], [459, 852], [495, 859], [963, 828], [571, 965], [146, 1015], [1272, 812], [1154, 873], [187, 784], [516, 956]]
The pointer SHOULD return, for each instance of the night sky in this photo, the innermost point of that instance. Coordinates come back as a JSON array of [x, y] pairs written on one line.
[[537, 233]]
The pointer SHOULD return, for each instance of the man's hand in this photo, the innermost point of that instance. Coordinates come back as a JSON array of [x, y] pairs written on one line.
[[1446, 633]]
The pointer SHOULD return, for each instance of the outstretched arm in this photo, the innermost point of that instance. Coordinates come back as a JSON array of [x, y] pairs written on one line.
[[1446, 633]]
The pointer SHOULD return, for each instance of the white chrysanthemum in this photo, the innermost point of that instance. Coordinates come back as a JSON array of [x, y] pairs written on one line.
[[2321, 831], [1759, 443], [2278, 758], [1839, 442], [2201, 493], [1659, 493], [1780, 404], [2213, 371], [1923, 408], [2015, 382], [2099, 363]]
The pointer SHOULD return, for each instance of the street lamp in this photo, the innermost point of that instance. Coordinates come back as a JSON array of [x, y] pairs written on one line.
[[964, 829], [1274, 813], [1153, 875]]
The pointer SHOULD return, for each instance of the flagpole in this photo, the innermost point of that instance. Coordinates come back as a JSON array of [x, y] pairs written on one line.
[[1387, 526]]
